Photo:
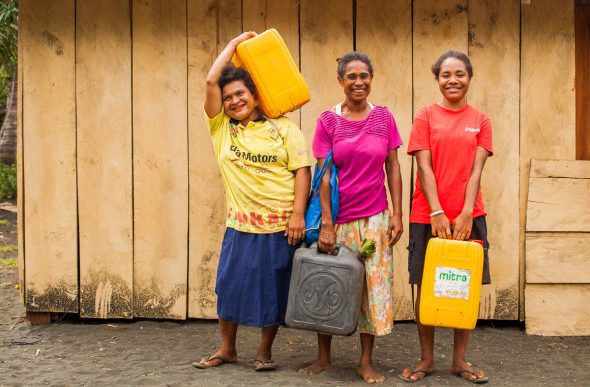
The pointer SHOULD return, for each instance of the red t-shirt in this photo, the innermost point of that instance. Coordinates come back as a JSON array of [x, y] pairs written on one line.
[[452, 136]]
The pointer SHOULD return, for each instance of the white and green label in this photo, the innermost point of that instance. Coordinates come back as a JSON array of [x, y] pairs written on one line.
[[451, 282]]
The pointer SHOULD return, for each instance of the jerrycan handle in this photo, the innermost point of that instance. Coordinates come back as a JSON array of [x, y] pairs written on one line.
[[316, 247]]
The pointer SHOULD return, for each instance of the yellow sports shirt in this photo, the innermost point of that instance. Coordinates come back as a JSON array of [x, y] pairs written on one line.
[[257, 163]]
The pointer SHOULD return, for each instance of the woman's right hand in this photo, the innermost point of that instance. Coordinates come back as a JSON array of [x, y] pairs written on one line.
[[441, 227], [327, 239], [243, 37]]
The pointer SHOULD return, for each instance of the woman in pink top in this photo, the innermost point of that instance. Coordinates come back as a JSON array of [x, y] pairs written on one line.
[[451, 141], [364, 138]]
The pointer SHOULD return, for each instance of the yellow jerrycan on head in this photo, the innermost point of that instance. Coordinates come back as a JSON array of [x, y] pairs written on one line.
[[451, 283], [279, 83]]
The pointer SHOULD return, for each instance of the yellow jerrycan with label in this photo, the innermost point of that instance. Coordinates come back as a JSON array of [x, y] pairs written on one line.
[[279, 83], [451, 283]]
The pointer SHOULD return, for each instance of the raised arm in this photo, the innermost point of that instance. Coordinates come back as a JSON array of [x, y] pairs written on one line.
[[441, 226], [213, 102]]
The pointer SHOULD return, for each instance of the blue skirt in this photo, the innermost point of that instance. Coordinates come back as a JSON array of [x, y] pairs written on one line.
[[253, 278]]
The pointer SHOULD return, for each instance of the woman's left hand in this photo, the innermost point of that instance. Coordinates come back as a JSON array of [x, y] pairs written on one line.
[[295, 228], [395, 229], [462, 226]]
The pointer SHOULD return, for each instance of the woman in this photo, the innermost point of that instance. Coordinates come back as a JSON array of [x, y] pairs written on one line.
[[266, 177], [451, 141], [364, 138]]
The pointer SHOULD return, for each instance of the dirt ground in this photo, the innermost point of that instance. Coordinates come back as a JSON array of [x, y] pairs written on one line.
[[158, 353]]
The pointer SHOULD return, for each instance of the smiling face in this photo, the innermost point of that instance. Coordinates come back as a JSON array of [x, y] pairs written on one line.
[[238, 102], [453, 82], [356, 81]]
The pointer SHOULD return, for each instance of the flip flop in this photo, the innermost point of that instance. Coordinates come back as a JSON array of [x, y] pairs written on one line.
[[414, 372], [473, 372], [201, 363], [265, 365]]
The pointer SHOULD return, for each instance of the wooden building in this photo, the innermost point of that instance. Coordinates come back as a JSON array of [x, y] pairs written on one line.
[[120, 199]]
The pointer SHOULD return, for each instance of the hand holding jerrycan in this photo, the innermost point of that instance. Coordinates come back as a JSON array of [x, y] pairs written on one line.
[[325, 291], [451, 283], [279, 83]]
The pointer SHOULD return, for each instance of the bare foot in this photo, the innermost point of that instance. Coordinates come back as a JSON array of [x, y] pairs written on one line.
[[419, 372], [467, 371], [369, 375], [317, 367]]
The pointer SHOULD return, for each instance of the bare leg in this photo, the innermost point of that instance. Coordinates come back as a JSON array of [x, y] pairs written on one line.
[[426, 336], [228, 331], [267, 337], [460, 347], [365, 368], [324, 361]]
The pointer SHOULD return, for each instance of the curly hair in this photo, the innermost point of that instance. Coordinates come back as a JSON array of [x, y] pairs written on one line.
[[452, 54], [351, 57], [231, 73]]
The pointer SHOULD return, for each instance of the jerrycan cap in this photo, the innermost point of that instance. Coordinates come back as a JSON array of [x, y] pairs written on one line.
[[478, 241]]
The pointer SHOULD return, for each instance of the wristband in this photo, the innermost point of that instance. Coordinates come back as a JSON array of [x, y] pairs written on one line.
[[437, 212]]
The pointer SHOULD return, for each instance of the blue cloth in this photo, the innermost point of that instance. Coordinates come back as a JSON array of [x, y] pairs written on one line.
[[253, 278]]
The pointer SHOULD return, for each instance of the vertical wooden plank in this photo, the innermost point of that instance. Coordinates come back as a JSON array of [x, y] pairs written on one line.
[[326, 34], [283, 15], [103, 96], [20, 189], [160, 158], [582, 35], [439, 26], [547, 100], [229, 17], [494, 52], [49, 155], [206, 196], [384, 32]]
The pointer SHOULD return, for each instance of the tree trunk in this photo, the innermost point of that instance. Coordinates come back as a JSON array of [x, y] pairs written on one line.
[[8, 129]]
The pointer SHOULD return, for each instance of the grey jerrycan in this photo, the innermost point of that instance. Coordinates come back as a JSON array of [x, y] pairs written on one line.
[[325, 291]]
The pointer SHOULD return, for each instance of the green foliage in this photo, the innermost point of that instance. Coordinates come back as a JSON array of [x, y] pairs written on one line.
[[10, 262], [4, 84], [9, 31], [8, 248], [7, 181]]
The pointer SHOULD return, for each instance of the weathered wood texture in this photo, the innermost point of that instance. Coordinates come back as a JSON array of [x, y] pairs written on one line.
[[283, 15], [326, 34], [494, 33], [582, 33], [558, 204], [20, 192], [384, 31], [557, 310], [103, 96], [438, 26], [557, 258], [206, 197], [547, 101], [49, 155], [560, 168], [160, 158]]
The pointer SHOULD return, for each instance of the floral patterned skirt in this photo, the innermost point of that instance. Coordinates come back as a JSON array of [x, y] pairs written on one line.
[[376, 316]]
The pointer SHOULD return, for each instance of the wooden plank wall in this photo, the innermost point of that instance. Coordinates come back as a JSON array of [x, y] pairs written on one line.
[[103, 99], [547, 93], [49, 155], [557, 257], [160, 158], [129, 126]]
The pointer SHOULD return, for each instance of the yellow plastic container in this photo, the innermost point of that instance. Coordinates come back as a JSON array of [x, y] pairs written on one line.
[[451, 283], [279, 83]]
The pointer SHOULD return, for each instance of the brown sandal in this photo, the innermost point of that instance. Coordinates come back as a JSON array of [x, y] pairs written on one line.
[[201, 363], [265, 365]]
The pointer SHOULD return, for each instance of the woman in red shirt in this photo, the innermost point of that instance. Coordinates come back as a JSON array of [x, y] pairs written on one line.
[[451, 141]]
